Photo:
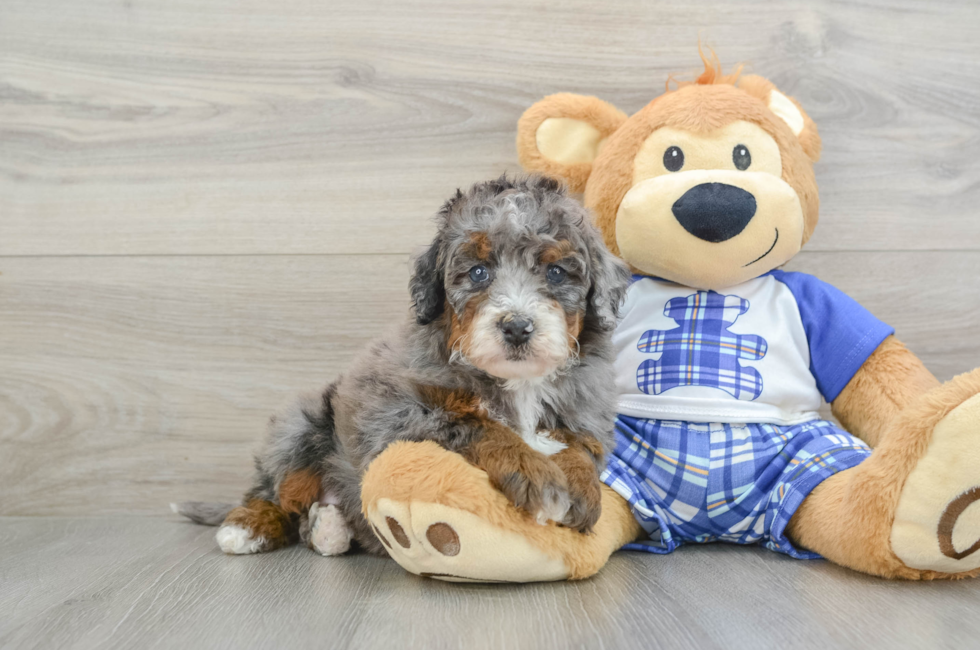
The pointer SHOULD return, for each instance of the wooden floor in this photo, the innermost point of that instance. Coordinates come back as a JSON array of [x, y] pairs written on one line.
[[152, 583], [208, 205]]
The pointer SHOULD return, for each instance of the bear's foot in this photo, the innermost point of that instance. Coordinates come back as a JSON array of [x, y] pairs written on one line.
[[911, 510], [937, 522], [436, 541], [439, 517]]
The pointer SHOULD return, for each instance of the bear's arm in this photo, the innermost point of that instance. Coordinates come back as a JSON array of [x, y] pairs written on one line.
[[891, 378]]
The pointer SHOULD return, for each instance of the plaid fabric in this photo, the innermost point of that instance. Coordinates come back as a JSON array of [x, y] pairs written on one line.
[[736, 483], [701, 351]]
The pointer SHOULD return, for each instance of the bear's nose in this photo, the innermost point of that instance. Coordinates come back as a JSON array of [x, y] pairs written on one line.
[[714, 212]]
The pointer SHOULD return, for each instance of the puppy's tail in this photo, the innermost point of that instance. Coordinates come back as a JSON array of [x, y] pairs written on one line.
[[202, 512]]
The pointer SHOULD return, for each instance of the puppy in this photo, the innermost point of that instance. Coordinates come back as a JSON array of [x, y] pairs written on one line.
[[505, 359]]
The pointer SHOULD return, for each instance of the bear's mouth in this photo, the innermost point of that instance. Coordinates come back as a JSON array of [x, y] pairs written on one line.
[[767, 252]]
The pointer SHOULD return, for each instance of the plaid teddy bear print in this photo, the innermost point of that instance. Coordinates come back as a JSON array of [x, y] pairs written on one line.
[[701, 351]]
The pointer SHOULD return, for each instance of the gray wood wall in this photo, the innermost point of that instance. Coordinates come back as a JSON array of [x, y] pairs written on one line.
[[207, 206]]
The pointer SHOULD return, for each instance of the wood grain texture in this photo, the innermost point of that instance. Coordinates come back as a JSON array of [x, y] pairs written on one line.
[[206, 207], [140, 583], [130, 382], [231, 126]]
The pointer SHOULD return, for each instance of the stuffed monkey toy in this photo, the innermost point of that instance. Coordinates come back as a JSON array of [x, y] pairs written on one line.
[[722, 362]]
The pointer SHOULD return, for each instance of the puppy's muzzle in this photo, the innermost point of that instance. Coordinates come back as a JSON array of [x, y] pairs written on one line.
[[714, 212], [516, 330]]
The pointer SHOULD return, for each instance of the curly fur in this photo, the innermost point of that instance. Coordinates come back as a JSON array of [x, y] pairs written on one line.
[[517, 227]]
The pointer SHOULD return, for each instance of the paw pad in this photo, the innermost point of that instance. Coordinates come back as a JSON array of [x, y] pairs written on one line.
[[937, 519], [398, 532], [438, 541], [378, 534], [443, 538], [948, 522]]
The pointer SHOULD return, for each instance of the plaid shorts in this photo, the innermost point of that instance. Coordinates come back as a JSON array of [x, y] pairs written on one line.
[[738, 483]]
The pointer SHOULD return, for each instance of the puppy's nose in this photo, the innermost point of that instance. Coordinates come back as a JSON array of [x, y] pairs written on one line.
[[714, 212], [516, 330]]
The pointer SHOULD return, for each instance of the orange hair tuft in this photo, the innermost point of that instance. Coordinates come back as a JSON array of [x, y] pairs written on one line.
[[712, 73]]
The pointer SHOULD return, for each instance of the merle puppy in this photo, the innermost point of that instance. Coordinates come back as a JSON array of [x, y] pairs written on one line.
[[505, 360]]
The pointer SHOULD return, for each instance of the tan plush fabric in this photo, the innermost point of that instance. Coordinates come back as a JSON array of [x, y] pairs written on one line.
[[760, 87], [937, 521], [601, 116], [890, 379], [482, 552], [568, 141], [425, 478], [654, 241], [849, 517], [698, 109]]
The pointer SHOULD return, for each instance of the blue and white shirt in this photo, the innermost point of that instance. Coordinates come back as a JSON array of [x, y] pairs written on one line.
[[765, 350]]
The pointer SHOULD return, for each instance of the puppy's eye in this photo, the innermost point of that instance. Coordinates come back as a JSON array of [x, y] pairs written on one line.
[[556, 274], [673, 159], [479, 274], [741, 157]]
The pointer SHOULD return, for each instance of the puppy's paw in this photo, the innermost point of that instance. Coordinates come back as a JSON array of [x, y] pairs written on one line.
[[329, 532], [539, 487], [237, 540], [586, 503]]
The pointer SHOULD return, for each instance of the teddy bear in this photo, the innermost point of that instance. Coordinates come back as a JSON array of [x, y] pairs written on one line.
[[722, 362]]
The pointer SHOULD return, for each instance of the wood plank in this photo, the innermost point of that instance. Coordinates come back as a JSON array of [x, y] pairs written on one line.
[[138, 583], [205, 207], [171, 126], [131, 382], [127, 383], [177, 311]]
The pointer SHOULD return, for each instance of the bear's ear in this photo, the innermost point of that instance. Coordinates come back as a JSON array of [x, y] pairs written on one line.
[[788, 110], [561, 135]]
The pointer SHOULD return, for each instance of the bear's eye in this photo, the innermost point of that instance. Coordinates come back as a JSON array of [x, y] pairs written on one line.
[[479, 274], [673, 159], [741, 157]]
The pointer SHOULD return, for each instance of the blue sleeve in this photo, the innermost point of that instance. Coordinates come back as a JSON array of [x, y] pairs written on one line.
[[841, 333]]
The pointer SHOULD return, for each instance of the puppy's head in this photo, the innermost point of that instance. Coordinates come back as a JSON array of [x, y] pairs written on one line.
[[517, 278]]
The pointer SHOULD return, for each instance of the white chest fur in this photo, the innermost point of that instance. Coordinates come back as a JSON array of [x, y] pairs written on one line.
[[528, 400]]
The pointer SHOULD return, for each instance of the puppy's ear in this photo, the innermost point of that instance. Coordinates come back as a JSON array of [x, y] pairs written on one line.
[[561, 135], [609, 278], [426, 286]]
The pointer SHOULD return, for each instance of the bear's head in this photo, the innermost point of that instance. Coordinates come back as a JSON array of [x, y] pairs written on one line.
[[711, 184]]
